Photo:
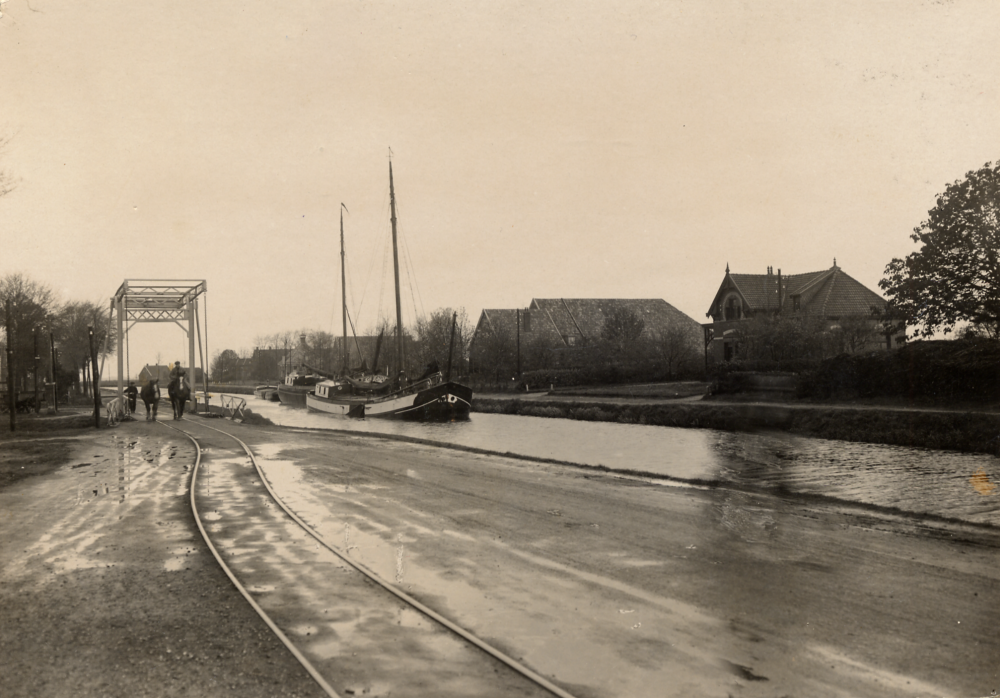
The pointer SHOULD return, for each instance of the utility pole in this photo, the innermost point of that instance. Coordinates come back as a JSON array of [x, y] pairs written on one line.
[[52, 373], [518, 342], [94, 379], [34, 338], [11, 397]]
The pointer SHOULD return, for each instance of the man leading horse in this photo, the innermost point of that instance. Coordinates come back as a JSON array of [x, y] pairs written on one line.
[[178, 390]]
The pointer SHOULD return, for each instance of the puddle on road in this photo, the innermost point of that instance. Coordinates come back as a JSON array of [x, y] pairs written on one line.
[[104, 481]]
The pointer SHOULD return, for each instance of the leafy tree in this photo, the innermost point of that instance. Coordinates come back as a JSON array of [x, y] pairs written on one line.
[[621, 330], [955, 276]]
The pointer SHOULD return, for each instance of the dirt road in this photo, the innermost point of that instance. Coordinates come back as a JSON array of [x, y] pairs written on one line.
[[608, 586], [621, 587]]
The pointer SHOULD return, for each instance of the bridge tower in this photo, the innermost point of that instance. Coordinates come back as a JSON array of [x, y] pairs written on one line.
[[155, 300]]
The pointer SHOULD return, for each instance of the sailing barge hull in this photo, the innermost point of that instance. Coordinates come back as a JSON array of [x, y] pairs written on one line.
[[293, 395], [444, 401]]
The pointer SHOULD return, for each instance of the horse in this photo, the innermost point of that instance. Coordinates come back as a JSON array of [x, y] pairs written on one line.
[[116, 412], [179, 393], [150, 394]]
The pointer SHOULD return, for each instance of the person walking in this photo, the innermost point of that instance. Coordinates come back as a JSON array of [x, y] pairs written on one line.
[[132, 393]]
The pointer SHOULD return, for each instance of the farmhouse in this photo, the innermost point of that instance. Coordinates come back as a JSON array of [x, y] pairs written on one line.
[[831, 295]]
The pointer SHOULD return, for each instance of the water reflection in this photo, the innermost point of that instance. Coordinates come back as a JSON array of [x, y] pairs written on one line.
[[924, 481]]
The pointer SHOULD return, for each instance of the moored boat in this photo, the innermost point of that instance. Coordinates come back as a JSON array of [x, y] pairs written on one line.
[[432, 396], [296, 386], [261, 391]]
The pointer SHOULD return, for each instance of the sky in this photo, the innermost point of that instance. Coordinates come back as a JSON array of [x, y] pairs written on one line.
[[540, 150]]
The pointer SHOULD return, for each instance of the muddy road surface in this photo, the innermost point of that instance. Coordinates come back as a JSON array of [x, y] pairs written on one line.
[[623, 587], [604, 585]]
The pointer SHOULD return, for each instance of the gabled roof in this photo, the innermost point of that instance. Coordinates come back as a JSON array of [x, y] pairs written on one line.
[[497, 321], [830, 292], [584, 317], [556, 320]]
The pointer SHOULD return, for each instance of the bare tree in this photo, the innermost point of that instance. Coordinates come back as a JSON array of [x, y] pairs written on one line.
[[676, 348], [433, 340], [621, 330], [71, 326], [31, 307], [854, 333]]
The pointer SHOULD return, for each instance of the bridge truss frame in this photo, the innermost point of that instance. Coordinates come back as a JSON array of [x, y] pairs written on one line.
[[160, 300]]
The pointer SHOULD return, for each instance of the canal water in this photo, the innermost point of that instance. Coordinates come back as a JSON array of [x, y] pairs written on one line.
[[914, 480]]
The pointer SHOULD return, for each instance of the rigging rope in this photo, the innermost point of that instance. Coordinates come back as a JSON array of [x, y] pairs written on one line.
[[374, 256]]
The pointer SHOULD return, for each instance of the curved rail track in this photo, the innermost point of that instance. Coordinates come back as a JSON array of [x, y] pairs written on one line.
[[229, 481]]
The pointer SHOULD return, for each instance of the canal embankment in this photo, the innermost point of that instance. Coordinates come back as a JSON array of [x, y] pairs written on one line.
[[960, 430]]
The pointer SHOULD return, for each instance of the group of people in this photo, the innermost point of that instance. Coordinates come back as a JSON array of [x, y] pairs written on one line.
[[151, 391]]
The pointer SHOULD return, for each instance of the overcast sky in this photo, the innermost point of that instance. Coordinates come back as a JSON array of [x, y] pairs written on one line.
[[556, 149]]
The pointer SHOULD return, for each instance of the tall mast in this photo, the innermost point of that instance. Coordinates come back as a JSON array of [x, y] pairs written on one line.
[[343, 282], [395, 266]]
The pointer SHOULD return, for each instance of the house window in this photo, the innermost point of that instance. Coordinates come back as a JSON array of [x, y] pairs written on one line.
[[571, 340], [734, 309], [795, 303]]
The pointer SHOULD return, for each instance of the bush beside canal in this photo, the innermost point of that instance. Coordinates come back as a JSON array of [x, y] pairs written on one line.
[[975, 432]]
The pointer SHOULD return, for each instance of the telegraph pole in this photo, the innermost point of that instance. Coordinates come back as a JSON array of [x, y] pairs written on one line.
[[94, 379], [34, 338], [518, 342], [11, 398], [52, 373]]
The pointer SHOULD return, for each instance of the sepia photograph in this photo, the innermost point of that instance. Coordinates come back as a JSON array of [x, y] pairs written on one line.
[[634, 349]]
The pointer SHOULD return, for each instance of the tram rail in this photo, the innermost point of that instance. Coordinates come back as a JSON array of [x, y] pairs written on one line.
[[464, 635]]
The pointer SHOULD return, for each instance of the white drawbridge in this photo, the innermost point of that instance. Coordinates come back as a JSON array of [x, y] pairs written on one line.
[[161, 300]]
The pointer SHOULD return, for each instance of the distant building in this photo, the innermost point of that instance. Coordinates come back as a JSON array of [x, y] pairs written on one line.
[[163, 373], [266, 364], [360, 350], [830, 294], [567, 327]]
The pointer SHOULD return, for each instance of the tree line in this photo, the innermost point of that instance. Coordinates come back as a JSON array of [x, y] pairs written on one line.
[[274, 355], [45, 339], [625, 347]]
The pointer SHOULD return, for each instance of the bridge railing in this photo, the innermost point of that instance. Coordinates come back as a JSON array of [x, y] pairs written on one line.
[[232, 407]]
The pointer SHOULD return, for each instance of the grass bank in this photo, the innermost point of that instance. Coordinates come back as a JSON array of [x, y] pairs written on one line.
[[974, 432]]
